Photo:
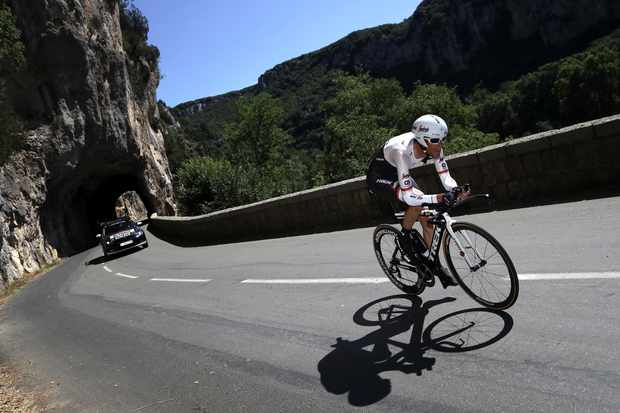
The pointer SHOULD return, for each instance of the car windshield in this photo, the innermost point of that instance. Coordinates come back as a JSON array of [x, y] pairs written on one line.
[[118, 227]]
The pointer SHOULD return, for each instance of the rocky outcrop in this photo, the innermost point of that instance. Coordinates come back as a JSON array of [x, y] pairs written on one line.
[[460, 42], [199, 105], [130, 204], [97, 136]]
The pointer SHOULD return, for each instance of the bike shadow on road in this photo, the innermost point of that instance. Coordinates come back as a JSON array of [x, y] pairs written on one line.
[[355, 366]]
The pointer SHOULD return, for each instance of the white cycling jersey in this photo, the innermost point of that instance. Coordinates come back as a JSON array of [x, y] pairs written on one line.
[[399, 153]]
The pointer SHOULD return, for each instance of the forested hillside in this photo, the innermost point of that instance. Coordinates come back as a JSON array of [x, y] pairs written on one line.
[[493, 69]]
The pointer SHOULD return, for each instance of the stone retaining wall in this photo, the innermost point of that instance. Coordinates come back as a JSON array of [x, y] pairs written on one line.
[[571, 163]]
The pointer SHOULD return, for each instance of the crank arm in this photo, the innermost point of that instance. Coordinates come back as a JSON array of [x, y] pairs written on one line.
[[400, 264]]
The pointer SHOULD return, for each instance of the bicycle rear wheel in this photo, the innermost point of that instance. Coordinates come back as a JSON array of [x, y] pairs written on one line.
[[390, 257], [493, 279]]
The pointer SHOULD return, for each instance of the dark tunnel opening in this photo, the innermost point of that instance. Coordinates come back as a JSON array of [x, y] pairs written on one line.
[[73, 212]]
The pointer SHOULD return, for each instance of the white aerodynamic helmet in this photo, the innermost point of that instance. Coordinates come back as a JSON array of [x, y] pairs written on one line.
[[429, 129]]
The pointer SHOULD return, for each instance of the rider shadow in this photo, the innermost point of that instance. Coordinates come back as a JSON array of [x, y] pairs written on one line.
[[352, 368]]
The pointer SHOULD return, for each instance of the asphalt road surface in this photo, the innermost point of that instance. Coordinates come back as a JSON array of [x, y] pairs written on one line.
[[170, 329]]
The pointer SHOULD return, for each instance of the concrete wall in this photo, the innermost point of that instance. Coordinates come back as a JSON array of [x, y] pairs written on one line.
[[572, 163]]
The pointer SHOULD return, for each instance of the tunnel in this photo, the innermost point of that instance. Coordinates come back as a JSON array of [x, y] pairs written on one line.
[[75, 207]]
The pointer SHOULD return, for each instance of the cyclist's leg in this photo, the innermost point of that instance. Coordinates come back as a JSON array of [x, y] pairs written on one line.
[[444, 275], [427, 232], [411, 216]]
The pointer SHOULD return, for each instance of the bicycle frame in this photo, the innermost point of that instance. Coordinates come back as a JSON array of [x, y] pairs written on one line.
[[470, 248], [443, 222]]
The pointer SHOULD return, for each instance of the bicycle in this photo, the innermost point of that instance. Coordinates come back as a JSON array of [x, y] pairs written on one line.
[[484, 270]]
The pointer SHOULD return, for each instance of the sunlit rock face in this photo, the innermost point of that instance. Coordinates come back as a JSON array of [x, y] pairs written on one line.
[[461, 43], [95, 135], [130, 204]]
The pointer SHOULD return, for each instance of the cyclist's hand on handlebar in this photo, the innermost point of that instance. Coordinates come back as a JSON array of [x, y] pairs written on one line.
[[447, 198], [462, 192], [463, 195]]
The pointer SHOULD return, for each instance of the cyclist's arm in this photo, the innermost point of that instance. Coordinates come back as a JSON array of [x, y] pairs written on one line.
[[441, 166], [406, 191]]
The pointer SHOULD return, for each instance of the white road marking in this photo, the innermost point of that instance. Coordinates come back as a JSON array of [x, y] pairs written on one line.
[[120, 274], [568, 276], [181, 280], [522, 277], [318, 281]]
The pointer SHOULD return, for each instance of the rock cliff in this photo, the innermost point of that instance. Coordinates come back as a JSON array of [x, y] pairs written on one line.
[[461, 42], [94, 133]]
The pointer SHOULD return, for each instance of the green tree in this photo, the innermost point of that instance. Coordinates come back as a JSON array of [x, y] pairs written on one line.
[[257, 137], [11, 60], [258, 143], [577, 88], [11, 47], [11, 129], [255, 162], [441, 100], [460, 117], [205, 185], [176, 147], [366, 112], [362, 115]]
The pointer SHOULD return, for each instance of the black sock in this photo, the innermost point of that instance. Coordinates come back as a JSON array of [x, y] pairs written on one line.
[[407, 232]]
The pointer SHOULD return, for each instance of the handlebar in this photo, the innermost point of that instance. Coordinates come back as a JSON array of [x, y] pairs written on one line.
[[463, 188], [452, 201], [471, 198]]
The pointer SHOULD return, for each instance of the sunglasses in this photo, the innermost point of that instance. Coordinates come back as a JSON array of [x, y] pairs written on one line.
[[432, 140]]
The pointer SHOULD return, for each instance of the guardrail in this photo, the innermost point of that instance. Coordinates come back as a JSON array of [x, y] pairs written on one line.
[[575, 162]]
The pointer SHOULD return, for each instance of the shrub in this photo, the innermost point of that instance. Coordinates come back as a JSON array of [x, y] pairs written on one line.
[[366, 112], [577, 88], [11, 60]]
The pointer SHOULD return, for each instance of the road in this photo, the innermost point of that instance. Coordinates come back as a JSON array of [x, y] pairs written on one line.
[[170, 329]]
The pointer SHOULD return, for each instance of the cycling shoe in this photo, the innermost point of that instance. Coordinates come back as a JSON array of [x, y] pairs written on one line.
[[445, 279]]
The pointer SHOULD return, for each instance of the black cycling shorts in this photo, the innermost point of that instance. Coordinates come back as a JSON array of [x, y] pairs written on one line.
[[382, 179]]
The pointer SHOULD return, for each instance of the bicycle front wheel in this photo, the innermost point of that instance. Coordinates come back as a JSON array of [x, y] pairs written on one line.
[[481, 266], [390, 256]]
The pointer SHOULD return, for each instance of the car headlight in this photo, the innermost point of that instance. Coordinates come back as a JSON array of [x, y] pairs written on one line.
[[139, 233]]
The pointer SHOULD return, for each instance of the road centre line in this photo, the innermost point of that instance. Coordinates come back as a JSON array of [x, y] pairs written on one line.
[[318, 281], [107, 269], [568, 276], [181, 280], [522, 277], [127, 275]]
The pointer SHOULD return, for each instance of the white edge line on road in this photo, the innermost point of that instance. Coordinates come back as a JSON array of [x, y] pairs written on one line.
[[568, 276], [127, 275], [181, 280], [105, 267], [318, 281]]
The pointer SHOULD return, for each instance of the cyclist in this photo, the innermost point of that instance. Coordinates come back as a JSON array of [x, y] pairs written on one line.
[[389, 178]]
